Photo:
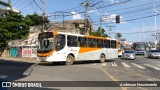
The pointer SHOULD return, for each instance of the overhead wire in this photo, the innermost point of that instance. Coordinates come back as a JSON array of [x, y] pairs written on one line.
[[25, 6], [22, 3], [31, 4], [37, 5]]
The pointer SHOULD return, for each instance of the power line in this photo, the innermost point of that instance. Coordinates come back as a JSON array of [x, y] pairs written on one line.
[[92, 21], [37, 5], [31, 4], [25, 6], [15, 3], [132, 7], [114, 4], [22, 3], [142, 17], [137, 11], [149, 31]]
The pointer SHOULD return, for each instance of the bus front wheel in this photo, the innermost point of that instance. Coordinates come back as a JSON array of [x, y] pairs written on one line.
[[70, 60], [102, 58]]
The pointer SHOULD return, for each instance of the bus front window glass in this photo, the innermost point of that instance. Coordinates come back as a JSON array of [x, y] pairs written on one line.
[[46, 41]]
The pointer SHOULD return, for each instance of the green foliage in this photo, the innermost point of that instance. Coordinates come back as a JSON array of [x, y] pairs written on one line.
[[12, 26], [35, 19], [119, 35], [97, 33]]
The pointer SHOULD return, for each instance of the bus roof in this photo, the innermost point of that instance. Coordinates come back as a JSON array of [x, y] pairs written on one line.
[[66, 33]]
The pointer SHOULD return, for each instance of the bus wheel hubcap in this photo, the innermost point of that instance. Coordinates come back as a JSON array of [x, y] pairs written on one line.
[[70, 60], [102, 58]]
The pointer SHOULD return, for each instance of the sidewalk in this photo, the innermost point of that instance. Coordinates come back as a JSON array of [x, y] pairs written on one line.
[[29, 60]]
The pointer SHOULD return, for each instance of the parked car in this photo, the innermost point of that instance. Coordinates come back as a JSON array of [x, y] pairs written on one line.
[[129, 54], [154, 54]]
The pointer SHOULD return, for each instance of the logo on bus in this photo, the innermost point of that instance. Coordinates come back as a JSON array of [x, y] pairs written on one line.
[[72, 50]]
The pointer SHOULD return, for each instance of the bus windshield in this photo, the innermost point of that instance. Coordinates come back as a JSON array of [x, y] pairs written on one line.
[[46, 41], [139, 46]]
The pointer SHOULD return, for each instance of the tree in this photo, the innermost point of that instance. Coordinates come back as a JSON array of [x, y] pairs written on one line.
[[12, 26], [97, 33], [119, 35], [35, 19]]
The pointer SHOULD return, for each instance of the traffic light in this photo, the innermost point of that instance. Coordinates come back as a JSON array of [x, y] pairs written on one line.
[[118, 19]]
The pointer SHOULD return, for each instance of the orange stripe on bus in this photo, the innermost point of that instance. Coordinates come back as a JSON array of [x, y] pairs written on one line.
[[45, 54], [85, 49]]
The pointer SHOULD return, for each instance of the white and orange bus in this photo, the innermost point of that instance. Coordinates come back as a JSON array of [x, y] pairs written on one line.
[[59, 46]]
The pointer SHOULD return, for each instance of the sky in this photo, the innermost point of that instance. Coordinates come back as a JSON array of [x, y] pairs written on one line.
[[137, 16]]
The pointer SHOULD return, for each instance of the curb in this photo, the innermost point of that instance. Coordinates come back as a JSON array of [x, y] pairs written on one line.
[[29, 60]]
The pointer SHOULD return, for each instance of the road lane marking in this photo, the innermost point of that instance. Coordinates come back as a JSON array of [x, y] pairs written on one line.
[[158, 64], [114, 64], [139, 66], [29, 70], [104, 64], [112, 77], [157, 68], [126, 65], [94, 64]]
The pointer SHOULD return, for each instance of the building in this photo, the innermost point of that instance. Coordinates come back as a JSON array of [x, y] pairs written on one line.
[[4, 7], [69, 26]]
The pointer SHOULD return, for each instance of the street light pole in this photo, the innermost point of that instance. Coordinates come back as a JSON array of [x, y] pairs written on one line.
[[86, 16], [43, 15], [101, 26], [155, 13]]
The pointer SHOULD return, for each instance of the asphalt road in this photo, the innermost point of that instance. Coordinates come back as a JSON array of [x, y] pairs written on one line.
[[141, 69], [13, 69]]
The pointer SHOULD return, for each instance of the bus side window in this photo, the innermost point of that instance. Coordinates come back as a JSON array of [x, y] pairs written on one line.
[[91, 42], [72, 41], [113, 44], [99, 43], [107, 43], [82, 41]]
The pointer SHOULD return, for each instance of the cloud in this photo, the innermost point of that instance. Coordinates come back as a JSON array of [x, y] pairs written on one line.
[[75, 15], [113, 1], [93, 11]]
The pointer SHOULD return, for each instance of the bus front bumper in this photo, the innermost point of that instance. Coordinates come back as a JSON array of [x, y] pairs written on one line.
[[42, 59]]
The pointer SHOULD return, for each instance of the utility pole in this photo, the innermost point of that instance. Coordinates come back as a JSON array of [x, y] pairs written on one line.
[[55, 21], [43, 15], [63, 21], [86, 16], [110, 28], [101, 26], [155, 13], [144, 36]]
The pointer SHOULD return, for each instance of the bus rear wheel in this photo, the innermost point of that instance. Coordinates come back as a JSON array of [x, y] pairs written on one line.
[[70, 60], [102, 58]]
